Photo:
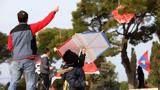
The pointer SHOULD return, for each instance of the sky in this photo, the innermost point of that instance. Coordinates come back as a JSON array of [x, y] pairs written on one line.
[[38, 9]]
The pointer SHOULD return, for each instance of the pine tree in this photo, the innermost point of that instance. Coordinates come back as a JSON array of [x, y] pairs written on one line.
[[156, 6], [133, 65], [50, 38], [4, 53], [106, 80], [154, 76], [133, 32]]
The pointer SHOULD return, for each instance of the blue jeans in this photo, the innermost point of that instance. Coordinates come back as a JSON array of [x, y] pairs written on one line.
[[17, 69]]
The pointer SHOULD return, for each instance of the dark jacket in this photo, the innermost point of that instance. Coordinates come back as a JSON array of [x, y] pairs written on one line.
[[140, 77], [75, 77], [45, 65]]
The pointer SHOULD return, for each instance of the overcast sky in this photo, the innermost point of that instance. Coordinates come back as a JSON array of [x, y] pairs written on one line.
[[38, 9]]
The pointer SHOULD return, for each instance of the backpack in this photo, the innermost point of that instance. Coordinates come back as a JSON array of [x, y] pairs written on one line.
[[79, 81]]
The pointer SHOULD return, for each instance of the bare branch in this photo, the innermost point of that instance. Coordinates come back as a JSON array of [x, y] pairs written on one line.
[[128, 26], [118, 32], [124, 29], [133, 28]]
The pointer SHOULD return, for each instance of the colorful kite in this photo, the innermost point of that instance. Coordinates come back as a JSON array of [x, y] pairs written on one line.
[[122, 18], [90, 68], [144, 62], [95, 43]]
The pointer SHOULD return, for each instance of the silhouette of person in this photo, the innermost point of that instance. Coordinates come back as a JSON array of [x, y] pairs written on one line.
[[140, 77]]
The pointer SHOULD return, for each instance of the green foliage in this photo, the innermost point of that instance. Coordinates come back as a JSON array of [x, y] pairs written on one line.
[[58, 83], [154, 76], [4, 53], [50, 38], [155, 8], [89, 9], [133, 6], [123, 85], [102, 8], [106, 78], [22, 84], [144, 35]]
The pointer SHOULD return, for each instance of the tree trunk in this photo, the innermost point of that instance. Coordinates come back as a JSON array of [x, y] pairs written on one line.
[[131, 74]]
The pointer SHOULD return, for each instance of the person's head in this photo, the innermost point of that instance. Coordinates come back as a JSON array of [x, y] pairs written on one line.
[[139, 70], [22, 16], [46, 51], [70, 57]]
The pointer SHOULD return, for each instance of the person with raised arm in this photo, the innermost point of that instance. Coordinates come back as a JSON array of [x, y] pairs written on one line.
[[22, 44]]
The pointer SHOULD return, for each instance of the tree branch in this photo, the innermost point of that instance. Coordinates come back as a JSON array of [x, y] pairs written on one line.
[[129, 24], [118, 32], [124, 29], [133, 27]]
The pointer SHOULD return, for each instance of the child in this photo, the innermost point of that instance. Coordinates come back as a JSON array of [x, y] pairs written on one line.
[[72, 70]]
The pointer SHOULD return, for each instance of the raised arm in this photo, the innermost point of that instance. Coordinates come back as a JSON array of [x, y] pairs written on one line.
[[82, 58], [9, 42], [35, 27]]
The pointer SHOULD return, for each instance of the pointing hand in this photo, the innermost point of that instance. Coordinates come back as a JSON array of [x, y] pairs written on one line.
[[56, 9]]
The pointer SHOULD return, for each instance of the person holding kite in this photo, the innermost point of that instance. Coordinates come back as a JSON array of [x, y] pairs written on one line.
[[74, 74], [22, 44]]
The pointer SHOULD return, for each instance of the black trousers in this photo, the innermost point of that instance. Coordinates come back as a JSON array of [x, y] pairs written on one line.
[[46, 81]]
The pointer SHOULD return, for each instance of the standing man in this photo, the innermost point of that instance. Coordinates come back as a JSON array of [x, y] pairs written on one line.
[[22, 44]]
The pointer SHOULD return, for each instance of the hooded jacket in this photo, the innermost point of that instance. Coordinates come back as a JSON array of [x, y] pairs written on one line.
[[75, 77]]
